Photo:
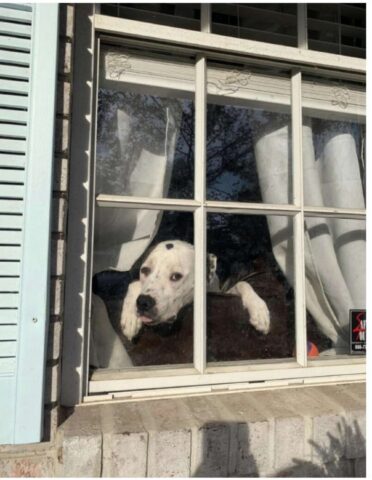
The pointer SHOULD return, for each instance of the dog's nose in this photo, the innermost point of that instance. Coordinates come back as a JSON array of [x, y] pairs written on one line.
[[145, 303]]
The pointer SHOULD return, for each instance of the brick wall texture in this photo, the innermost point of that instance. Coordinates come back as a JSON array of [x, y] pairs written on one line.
[[59, 216]]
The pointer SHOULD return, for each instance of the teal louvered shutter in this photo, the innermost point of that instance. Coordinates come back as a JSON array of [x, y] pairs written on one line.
[[28, 56]]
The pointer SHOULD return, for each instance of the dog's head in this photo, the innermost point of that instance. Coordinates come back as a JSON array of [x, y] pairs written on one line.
[[167, 281]]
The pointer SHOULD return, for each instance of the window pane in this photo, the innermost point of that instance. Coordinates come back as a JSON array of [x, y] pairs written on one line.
[[337, 28], [145, 134], [182, 15], [335, 258], [250, 252], [143, 286], [334, 163], [145, 145], [248, 135], [273, 23], [333, 143]]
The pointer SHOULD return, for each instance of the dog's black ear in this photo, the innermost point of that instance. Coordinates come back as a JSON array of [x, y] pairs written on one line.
[[211, 266]]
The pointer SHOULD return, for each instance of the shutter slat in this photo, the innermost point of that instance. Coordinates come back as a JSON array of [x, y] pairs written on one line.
[[21, 44], [8, 28], [10, 238], [12, 191], [8, 284], [7, 365], [8, 300], [18, 6], [10, 252], [16, 101], [13, 86], [8, 332], [15, 58], [15, 72], [8, 348], [11, 206], [10, 145], [7, 13], [11, 221], [12, 176], [19, 116], [12, 160], [10, 268], [9, 130], [8, 316]]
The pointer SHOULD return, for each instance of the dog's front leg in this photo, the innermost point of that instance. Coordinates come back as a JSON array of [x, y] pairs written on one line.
[[129, 321], [257, 308]]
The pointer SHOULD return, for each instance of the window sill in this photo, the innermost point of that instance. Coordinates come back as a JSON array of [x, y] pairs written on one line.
[[251, 433]]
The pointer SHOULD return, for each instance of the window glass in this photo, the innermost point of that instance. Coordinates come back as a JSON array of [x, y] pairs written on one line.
[[250, 304], [182, 15], [337, 28], [144, 145], [333, 144], [145, 126], [274, 23], [143, 287], [335, 264], [334, 163], [249, 157]]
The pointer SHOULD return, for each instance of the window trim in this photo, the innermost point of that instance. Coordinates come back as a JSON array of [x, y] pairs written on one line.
[[210, 42], [297, 370]]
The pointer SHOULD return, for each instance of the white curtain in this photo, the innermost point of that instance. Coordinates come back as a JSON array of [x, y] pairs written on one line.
[[334, 249], [142, 167], [139, 163]]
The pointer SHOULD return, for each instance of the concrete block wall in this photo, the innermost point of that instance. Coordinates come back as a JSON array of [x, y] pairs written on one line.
[[296, 432]]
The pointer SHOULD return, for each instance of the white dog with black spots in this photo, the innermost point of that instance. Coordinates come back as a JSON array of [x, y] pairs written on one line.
[[166, 284]]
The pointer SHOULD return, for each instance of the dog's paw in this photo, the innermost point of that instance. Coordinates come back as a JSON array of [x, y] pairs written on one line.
[[130, 322], [259, 316], [131, 326]]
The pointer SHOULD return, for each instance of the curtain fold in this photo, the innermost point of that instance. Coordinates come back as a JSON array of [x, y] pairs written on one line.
[[142, 165], [334, 248]]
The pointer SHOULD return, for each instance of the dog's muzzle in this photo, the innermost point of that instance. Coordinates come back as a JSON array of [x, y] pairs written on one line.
[[145, 305]]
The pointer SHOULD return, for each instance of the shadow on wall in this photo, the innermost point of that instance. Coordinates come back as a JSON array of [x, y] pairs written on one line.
[[230, 449]]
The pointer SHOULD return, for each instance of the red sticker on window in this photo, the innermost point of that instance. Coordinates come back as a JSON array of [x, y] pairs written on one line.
[[358, 331]]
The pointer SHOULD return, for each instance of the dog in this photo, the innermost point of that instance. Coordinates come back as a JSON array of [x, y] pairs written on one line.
[[166, 285]]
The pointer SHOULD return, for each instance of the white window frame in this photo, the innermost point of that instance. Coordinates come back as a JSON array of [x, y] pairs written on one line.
[[153, 381]]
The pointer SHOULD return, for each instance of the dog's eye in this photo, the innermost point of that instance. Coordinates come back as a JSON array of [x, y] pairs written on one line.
[[176, 276], [145, 270]]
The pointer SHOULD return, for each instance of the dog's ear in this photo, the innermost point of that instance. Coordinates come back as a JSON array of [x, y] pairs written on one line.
[[211, 266]]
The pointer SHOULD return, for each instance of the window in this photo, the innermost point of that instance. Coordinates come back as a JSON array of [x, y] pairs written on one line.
[[257, 164]]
